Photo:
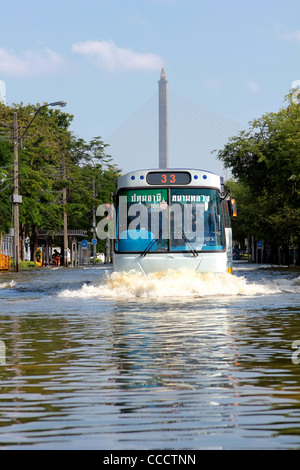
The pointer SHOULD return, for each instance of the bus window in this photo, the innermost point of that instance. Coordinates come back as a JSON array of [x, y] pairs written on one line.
[[200, 225], [142, 220], [191, 220]]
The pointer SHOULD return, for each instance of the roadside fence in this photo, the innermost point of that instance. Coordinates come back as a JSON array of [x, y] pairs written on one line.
[[6, 251]]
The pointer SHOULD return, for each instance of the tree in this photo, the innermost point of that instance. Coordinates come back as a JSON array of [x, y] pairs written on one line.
[[6, 181], [92, 179], [52, 159]]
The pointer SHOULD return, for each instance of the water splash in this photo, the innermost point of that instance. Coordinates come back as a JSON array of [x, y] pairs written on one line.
[[5, 285], [179, 284]]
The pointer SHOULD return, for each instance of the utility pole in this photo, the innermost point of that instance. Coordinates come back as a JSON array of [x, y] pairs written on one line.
[[65, 216], [16, 198]]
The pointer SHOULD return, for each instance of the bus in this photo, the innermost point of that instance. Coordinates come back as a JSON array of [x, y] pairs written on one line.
[[172, 219]]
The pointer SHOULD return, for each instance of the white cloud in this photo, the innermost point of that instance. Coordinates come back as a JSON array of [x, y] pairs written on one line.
[[30, 63], [107, 55]]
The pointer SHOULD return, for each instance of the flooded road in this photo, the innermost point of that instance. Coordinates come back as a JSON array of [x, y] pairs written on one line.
[[95, 360]]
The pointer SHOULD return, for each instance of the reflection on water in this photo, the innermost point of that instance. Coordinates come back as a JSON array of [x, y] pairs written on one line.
[[96, 360]]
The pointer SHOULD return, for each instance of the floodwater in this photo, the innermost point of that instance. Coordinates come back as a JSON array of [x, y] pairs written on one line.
[[95, 360]]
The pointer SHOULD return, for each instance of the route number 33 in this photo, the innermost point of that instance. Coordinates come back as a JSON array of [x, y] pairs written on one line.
[[164, 178]]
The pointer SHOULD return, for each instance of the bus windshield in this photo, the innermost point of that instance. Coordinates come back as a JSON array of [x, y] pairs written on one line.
[[169, 220]]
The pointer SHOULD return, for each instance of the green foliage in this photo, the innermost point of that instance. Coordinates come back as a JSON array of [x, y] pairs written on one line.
[[265, 161], [28, 264]]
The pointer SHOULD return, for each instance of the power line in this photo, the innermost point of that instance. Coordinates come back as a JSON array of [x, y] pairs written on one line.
[[4, 167], [7, 186]]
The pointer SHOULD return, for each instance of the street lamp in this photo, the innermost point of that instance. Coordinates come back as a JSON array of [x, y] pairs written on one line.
[[16, 198], [55, 103]]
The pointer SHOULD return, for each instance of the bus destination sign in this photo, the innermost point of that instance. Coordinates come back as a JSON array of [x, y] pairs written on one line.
[[168, 178]]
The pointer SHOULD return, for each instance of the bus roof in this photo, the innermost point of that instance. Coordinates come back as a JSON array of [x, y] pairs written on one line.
[[198, 178]]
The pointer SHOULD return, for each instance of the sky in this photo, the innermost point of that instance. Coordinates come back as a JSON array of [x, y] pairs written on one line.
[[104, 57]]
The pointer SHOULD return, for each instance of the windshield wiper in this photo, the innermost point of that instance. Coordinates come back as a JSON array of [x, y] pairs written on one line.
[[150, 245], [187, 242]]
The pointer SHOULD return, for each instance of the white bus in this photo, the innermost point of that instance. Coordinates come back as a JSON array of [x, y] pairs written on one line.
[[172, 219]]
